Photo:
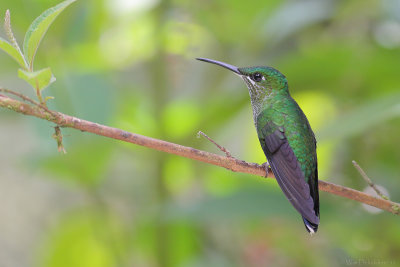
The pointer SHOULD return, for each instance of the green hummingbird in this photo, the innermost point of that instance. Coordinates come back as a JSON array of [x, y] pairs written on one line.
[[285, 136]]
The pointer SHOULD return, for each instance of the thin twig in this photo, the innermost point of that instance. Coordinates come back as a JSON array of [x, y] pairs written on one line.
[[368, 180], [232, 164], [223, 149], [27, 99]]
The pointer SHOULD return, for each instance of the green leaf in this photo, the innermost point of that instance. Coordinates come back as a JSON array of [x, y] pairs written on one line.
[[11, 37], [38, 29], [38, 79], [12, 51]]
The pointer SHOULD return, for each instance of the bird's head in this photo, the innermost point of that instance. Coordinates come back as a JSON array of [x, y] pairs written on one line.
[[262, 82]]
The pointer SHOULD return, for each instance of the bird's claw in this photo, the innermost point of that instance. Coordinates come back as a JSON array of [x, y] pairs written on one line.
[[266, 167]]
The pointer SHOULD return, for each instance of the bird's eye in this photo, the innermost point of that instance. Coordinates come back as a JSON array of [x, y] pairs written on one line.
[[257, 77]]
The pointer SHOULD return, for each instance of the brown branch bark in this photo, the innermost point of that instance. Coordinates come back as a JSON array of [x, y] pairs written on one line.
[[229, 163]]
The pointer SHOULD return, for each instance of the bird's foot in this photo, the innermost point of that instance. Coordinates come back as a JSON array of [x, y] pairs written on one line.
[[223, 149], [267, 168]]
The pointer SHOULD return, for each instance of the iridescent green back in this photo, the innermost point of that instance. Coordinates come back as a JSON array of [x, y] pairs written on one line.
[[287, 116]]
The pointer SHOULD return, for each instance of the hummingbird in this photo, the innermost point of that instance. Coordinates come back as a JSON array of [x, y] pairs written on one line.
[[285, 136]]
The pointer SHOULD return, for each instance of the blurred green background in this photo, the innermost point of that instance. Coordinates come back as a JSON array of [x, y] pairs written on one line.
[[130, 64]]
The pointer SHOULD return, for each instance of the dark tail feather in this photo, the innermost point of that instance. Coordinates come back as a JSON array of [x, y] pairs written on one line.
[[310, 227]]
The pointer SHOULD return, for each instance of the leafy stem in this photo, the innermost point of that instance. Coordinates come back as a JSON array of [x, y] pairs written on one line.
[[39, 80]]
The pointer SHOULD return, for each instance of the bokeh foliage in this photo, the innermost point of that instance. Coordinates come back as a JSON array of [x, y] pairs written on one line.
[[130, 64]]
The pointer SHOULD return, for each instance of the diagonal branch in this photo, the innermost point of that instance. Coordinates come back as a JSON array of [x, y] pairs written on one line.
[[63, 120]]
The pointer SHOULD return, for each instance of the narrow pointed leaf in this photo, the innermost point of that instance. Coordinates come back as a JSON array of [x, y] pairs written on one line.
[[11, 37], [38, 79], [12, 51], [38, 29]]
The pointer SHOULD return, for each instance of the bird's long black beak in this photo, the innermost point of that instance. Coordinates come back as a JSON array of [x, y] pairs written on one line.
[[222, 64]]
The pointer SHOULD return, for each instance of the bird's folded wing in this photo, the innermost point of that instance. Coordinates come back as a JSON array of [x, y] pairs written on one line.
[[287, 171]]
